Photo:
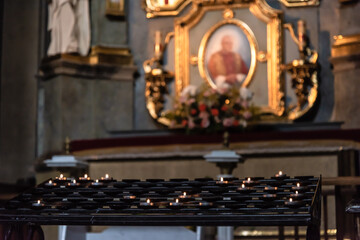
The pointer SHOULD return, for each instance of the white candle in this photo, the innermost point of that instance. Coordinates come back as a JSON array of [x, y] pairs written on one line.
[[157, 44]]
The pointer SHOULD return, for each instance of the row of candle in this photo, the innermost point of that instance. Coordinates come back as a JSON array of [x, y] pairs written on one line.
[[108, 178], [177, 204], [245, 186]]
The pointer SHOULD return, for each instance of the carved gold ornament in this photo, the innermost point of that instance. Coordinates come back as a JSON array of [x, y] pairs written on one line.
[[155, 8], [300, 3]]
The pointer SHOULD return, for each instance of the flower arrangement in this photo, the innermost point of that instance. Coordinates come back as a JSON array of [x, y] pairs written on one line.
[[215, 110]]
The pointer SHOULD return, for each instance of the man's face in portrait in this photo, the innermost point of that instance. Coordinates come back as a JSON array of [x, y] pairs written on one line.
[[227, 43]]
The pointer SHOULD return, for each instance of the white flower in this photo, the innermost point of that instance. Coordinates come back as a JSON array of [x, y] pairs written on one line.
[[189, 90], [223, 88], [245, 93]]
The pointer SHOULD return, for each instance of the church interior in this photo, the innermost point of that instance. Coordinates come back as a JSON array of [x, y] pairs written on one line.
[[224, 91]]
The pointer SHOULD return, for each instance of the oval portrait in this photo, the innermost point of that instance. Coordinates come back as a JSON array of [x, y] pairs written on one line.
[[227, 54]]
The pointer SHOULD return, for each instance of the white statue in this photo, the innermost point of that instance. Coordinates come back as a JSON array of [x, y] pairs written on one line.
[[69, 23]]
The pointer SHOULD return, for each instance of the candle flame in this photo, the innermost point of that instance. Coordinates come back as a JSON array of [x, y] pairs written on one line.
[[242, 185], [148, 200], [177, 200], [97, 180], [38, 201], [280, 173], [50, 181], [184, 194], [298, 184], [249, 179], [290, 200], [85, 176], [221, 179], [74, 181], [296, 192], [106, 175], [61, 175]]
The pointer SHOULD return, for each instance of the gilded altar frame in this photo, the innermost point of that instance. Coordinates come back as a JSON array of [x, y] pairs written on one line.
[[272, 55], [204, 42]]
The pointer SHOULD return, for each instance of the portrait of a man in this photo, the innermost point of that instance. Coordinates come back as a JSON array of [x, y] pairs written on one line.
[[228, 57], [227, 66]]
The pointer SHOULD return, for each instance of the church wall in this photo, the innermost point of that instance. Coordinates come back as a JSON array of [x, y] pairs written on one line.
[[19, 61], [108, 107], [79, 108]]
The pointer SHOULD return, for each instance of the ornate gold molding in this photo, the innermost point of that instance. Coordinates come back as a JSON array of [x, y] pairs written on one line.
[[304, 73], [102, 62], [346, 45], [273, 54], [154, 8], [115, 8], [300, 3]]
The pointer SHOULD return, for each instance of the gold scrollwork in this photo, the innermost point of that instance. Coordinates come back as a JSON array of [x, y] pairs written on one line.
[[253, 49], [155, 8], [300, 3], [262, 56], [303, 73]]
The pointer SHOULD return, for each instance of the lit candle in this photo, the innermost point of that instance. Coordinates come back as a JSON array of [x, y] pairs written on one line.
[[107, 178], [61, 179], [157, 44], [222, 181], [249, 182], [50, 184], [280, 175], [244, 189], [84, 179], [186, 197], [73, 184], [175, 204], [147, 204], [299, 188], [297, 195], [97, 184], [38, 205], [294, 203]]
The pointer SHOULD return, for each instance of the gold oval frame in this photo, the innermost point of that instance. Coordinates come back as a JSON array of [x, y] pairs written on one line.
[[253, 49]]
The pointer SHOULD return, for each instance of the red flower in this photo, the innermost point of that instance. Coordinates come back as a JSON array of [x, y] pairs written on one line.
[[184, 122], [236, 123], [202, 107], [224, 108], [193, 111], [214, 112]]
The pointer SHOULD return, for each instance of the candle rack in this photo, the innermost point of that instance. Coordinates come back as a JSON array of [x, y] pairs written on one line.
[[162, 203]]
